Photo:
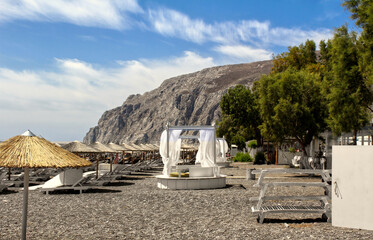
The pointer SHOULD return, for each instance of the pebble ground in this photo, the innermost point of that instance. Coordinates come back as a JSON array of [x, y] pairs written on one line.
[[134, 208]]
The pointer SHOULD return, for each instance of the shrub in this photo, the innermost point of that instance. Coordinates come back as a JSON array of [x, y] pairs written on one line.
[[260, 158], [253, 144], [239, 141], [242, 157], [291, 149]]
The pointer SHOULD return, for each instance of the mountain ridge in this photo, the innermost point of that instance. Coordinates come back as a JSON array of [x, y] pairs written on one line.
[[188, 99]]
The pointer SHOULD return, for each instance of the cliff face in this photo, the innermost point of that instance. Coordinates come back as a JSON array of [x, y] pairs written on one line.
[[191, 99]]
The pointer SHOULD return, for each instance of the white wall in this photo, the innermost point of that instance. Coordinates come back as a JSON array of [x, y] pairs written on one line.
[[352, 187]]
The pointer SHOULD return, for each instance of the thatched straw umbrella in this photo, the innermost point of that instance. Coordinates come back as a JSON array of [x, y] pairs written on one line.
[[145, 149], [129, 147], [29, 151], [117, 148], [104, 149], [137, 148], [81, 148]]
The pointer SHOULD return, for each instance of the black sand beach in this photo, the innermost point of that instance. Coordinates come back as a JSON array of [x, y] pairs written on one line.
[[134, 208]]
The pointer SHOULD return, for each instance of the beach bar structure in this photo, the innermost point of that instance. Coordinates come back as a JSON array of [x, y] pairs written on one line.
[[205, 176]]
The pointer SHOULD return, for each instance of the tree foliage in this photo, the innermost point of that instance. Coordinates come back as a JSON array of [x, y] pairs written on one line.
[[240, 116], [346, 90], [302, 57], [291, 105], [362, 13], [308, 92]]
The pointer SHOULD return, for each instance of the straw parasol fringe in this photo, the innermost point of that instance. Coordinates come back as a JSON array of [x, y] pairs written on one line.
[[35, 152]]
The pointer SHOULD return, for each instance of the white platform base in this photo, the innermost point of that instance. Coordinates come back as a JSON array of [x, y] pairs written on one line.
[[165, 182], [223, 164]]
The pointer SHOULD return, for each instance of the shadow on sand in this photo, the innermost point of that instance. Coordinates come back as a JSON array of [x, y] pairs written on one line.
[[235, 186], [118, 184], [8, 191], [128, 178], [92, 190], [294, 221]]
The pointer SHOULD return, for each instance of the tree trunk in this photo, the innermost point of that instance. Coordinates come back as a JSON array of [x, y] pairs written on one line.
[[354, 139], [304, 164]]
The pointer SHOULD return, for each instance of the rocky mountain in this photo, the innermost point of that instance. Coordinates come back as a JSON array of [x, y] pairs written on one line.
[[190, 99]]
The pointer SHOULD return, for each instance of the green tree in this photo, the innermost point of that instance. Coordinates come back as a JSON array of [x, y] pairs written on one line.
[[362, 13], [298, 57], [347, 92], [291, 105], [240, 116]]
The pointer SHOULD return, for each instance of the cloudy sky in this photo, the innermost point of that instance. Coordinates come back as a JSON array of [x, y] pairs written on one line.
[[63, 63]]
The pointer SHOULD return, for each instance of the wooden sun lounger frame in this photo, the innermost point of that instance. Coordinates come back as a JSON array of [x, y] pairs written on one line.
[[325, 200]]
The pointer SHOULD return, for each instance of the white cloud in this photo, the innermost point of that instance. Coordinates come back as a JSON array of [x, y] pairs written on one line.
[[74, 96], [291, 37], [245, 53], [175, 24], [116, 14], [108, 13]]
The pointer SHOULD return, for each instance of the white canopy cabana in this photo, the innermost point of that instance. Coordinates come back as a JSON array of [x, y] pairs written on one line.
[[170, 145]]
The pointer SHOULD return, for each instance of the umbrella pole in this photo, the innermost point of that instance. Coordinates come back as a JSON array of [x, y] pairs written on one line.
[[25, 202], [96, 167]]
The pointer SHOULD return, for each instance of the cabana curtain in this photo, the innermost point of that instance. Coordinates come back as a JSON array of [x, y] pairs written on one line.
[[221, 149], [206, 148], [174, 149]]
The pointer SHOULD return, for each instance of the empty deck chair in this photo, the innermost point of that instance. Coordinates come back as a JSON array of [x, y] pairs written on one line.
[[3, 187], [81, 185]]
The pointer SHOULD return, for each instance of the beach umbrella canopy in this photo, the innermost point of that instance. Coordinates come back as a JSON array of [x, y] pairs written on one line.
[[128, 147], [79, 147], [155, 147], [29, 151], [134, 146], [102, 147], [145, 147], [116, 147]]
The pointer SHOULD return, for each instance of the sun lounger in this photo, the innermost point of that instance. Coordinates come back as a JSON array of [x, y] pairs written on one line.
[[2, 186], [2, 176], [81, 185], [88, 181], [284, 203]]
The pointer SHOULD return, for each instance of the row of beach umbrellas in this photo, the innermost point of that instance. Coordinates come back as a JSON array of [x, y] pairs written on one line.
[[97, 147], [30, 151]]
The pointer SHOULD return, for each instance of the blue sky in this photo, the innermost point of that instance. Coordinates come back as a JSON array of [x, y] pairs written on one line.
[[63, 63]]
